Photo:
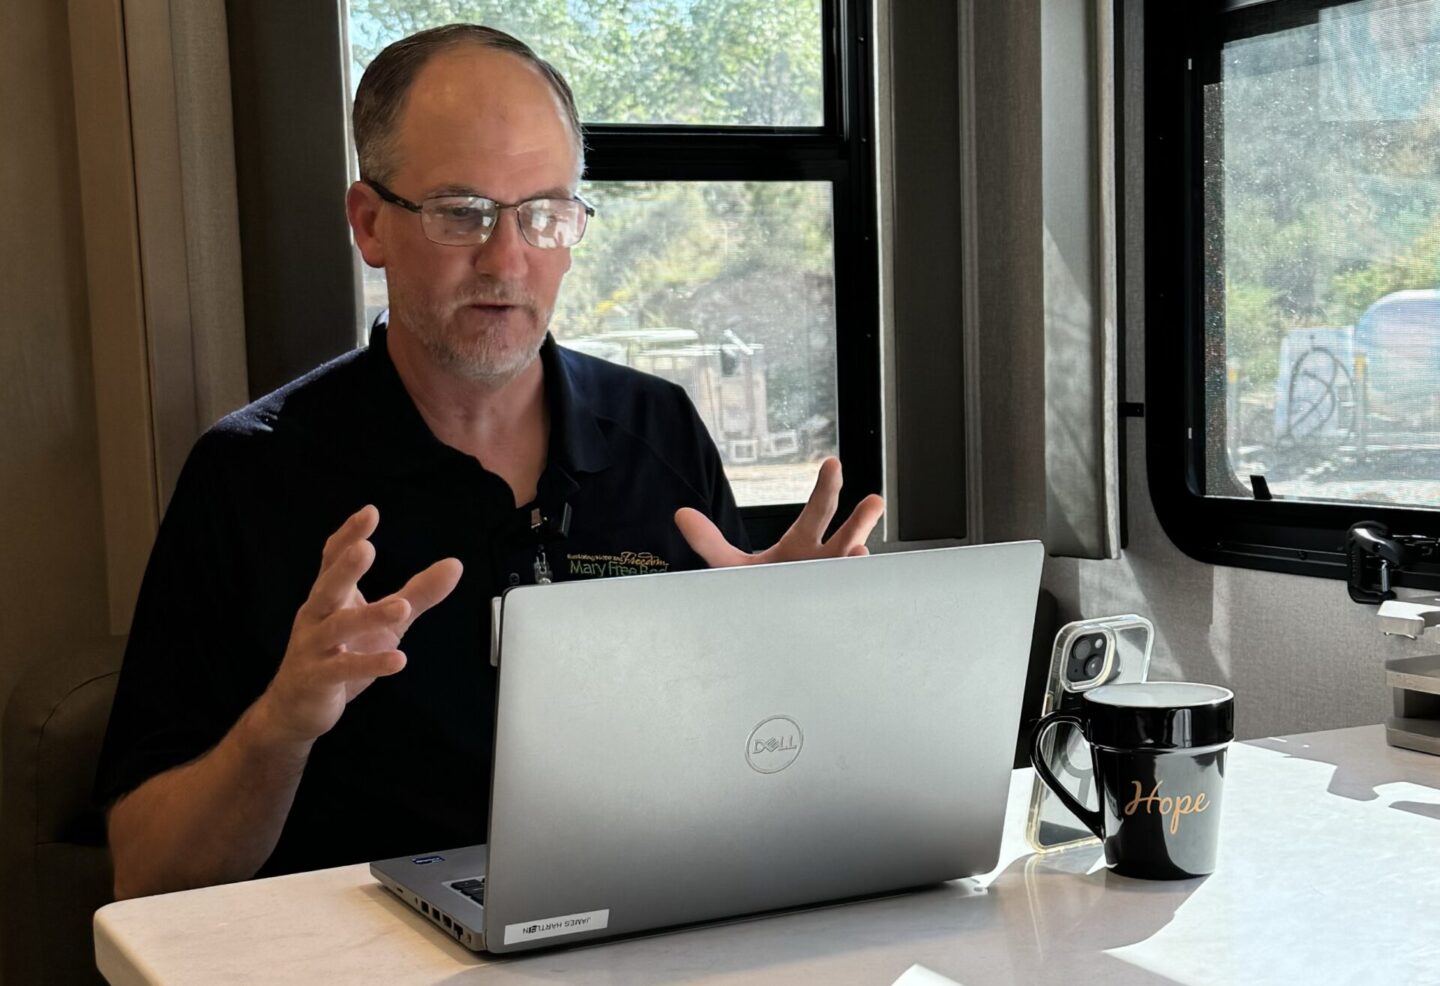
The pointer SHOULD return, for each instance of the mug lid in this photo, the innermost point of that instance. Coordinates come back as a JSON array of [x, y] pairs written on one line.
[[1160, 715]]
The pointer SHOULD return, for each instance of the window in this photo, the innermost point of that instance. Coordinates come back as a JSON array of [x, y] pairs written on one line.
[[1304, 292], [733, 250], [718, 63]]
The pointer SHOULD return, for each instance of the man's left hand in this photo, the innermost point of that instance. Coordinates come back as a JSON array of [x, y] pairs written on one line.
[[806, 537]]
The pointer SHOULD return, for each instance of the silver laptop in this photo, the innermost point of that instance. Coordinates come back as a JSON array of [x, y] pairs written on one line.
[[688, 746]]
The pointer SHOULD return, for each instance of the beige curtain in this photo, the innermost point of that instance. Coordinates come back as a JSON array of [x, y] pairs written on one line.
[[1046, 272], [1080, 276], [189, 230], [156, 163]]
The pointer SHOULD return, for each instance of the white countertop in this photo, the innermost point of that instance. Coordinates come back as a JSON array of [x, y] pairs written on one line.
[[1329, 871]]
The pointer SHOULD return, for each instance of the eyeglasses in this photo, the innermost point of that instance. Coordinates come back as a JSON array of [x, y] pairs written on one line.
[[468, 220]]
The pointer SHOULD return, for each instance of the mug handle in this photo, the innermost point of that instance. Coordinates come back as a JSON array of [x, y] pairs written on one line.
[[1093, 820]]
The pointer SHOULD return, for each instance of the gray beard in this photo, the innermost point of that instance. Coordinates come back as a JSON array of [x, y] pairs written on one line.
[[487, 367], [486, 361]]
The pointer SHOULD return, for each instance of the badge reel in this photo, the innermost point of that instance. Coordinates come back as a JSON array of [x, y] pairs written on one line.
[[1087, 654], [544, 530]]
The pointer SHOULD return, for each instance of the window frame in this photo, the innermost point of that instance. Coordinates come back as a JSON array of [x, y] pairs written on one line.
[[1182, 46], [839, 152], [302, 283]]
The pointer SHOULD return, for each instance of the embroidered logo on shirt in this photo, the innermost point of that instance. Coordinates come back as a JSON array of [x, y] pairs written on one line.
[[625, 563]]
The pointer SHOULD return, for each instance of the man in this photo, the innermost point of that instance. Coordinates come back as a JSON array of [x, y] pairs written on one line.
[[262, 723]]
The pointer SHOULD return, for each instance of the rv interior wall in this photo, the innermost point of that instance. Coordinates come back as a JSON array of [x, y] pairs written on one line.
[[52, 568], [1299, 655], [52, 565]]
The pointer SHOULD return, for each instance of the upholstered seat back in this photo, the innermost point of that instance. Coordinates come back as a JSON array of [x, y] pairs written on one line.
[[53, 862]]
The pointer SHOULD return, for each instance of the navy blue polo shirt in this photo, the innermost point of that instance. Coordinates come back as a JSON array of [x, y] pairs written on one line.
[[407, 768]]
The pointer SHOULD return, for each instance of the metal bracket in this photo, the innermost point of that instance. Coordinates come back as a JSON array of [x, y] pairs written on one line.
[[1374, 556]]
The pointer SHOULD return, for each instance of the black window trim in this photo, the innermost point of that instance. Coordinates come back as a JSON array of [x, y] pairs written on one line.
[[839, 152], [1182, 46]]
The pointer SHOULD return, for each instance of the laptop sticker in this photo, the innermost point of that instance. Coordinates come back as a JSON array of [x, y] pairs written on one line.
[[566, 924]]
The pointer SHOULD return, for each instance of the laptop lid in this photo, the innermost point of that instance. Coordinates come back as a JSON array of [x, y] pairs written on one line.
[[688, 746]]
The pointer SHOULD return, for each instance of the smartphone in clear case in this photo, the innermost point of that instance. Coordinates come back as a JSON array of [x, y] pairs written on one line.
[[1087, 654]]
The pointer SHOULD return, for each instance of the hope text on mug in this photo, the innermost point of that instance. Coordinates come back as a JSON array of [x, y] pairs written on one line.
[[1174, 807]]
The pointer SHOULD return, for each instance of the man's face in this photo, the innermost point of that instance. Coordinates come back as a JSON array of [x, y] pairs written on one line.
[[487, 123]]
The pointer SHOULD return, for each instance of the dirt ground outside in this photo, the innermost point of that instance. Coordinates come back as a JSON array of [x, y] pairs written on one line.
[[766, 484]]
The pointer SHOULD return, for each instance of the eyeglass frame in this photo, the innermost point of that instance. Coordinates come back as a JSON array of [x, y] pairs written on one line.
[[419, 209]]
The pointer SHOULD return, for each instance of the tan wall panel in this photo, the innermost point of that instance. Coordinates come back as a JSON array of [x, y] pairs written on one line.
[[52, 564]]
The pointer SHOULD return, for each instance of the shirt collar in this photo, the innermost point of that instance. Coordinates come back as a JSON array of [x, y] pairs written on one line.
[[577, 442]]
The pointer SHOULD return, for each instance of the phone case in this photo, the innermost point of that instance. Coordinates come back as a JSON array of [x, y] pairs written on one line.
[[1051, 826]]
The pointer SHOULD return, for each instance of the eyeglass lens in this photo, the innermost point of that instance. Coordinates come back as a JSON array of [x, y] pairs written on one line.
[[465, 220]]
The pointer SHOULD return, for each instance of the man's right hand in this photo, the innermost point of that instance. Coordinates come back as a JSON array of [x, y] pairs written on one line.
[[340, 643], [219, 817]]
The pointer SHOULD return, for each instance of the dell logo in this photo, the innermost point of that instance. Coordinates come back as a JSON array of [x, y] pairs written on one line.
[[773, 745]]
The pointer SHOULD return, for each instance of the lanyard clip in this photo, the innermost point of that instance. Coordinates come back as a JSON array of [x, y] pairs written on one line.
[[550, 528], [542, 566], [547, 529]]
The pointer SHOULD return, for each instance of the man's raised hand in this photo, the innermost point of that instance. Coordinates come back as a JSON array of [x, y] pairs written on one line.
[[340, 643], [805, 538]]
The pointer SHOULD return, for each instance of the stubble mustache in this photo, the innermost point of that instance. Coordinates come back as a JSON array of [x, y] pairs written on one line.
[[497, 293]]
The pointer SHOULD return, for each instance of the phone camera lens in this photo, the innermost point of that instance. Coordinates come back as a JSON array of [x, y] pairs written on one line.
[[1086, 660]]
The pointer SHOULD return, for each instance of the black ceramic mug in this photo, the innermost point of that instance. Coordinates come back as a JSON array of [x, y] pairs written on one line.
[[1159, 753]]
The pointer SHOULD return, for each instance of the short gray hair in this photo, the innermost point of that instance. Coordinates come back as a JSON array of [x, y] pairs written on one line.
[[381, 96]]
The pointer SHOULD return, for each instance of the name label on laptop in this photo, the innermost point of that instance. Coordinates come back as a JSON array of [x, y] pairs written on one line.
[[566, 924]]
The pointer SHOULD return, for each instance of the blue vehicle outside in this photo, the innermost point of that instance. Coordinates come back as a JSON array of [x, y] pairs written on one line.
[[1373, 385], [1399, 340]]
